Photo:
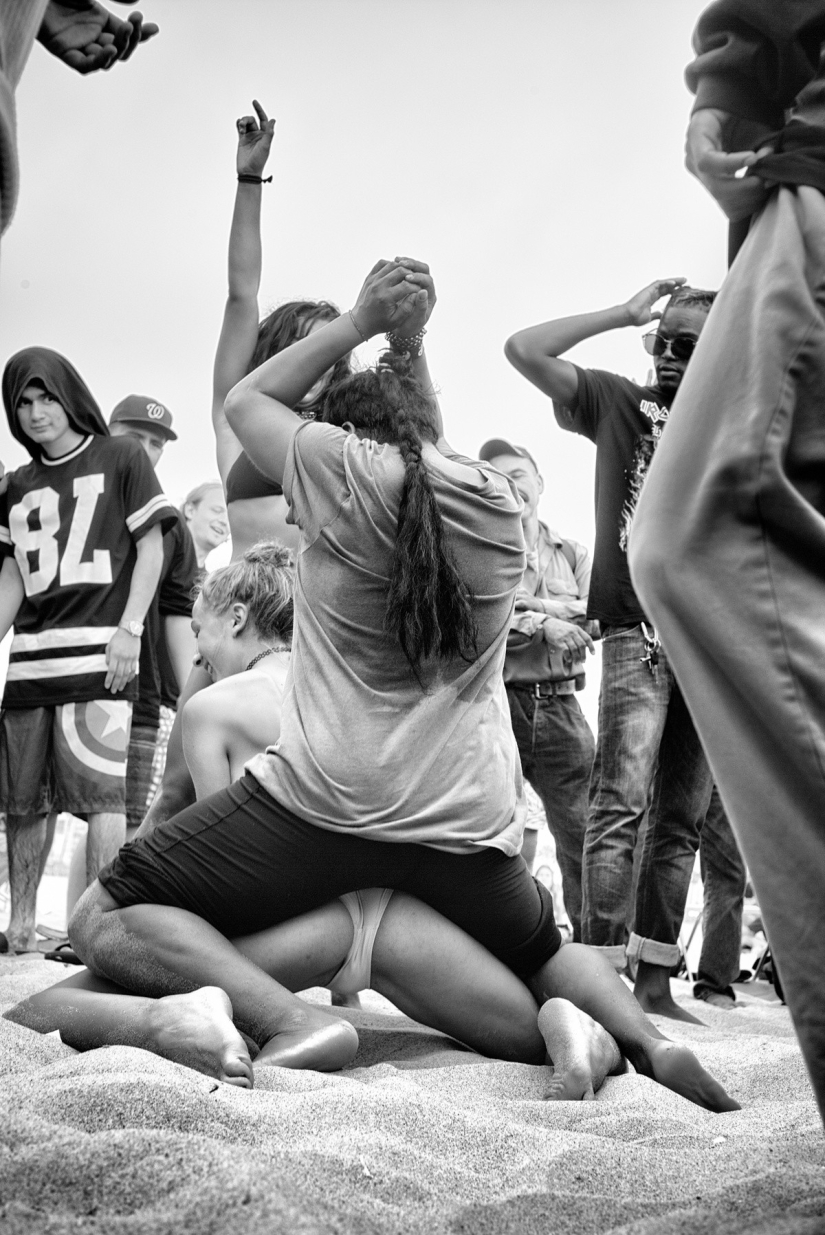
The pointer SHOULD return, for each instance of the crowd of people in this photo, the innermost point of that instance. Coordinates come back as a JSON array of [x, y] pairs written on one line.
[[307, 767]]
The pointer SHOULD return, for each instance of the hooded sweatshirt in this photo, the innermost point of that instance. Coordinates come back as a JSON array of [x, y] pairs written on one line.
[[71, 524]]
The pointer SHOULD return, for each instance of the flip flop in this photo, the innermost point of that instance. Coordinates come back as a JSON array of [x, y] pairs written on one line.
[[65, 953], [50, 932]]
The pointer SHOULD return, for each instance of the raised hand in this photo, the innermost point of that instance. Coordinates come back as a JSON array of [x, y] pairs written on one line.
[[726, 174], [391, 298], [254, 141], [87, 37], [640, 306], [420, 311]]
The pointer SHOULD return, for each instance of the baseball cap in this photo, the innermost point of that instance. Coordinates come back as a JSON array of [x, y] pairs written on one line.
[[139, 410], [499, 446]]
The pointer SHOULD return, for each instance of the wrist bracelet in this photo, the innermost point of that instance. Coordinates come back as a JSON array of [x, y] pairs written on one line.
[[411, 345], [357, 327], [243, 178]]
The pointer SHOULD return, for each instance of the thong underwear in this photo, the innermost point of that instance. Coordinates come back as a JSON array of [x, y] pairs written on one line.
[[366, 908]]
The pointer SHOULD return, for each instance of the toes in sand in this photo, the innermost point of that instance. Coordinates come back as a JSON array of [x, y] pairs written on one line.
[[581, 1051], [678, 1069], [197, 1030]]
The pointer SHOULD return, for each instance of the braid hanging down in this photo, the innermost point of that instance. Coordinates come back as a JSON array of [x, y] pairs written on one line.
[[429, 606]]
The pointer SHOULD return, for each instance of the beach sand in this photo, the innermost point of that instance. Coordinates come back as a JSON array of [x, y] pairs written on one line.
[[419, 1136]]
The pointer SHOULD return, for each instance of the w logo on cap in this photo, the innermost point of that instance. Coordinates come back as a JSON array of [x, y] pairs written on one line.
[[156, 410]]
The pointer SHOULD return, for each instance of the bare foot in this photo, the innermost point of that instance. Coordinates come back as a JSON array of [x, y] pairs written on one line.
[[652, 991], [17, 943], [581, 1051], [678, 1069], [345, 1001], [197, 1030], [313, 1039]]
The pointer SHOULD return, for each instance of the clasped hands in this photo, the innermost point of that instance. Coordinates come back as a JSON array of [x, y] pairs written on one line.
[[397, 296]]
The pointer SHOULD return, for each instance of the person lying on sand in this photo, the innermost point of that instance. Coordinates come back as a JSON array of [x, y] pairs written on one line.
[[374, 938], [396, 766]]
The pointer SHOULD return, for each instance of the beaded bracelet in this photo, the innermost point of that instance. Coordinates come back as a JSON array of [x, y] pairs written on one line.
[[244, 178], [411, 344]]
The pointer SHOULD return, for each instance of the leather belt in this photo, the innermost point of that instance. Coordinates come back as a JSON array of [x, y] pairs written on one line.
[[545, 690]]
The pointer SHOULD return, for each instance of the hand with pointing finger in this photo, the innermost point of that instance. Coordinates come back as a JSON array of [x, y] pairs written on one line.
[[254, 141]]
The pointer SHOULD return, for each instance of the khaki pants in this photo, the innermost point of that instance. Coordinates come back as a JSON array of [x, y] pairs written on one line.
[[728, 556]]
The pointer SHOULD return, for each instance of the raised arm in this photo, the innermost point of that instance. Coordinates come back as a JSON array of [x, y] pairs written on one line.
[[239, 332], [259, 408], [536, 352]]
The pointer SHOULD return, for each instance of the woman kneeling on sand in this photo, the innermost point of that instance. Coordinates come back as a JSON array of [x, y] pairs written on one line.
[[396, 766], [397, 945]]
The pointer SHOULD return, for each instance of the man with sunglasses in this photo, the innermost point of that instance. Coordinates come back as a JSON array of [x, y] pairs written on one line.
[[647, 751]]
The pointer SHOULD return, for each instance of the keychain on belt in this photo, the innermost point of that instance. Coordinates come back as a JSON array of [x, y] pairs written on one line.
[[652, 645]]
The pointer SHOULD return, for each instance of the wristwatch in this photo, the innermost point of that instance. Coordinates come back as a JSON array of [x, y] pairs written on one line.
[[134, 628]]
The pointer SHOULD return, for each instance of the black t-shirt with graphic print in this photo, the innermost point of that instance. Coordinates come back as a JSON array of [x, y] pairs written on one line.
[[625, 421]]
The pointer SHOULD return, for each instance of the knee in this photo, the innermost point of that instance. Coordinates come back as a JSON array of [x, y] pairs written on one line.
[[86, 922]]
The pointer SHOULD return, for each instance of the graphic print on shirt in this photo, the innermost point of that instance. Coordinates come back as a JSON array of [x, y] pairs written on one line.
[[72, 525], [640, 465], [34, 523]]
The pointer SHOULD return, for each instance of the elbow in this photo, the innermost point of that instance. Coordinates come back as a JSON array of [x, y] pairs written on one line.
[[233, 404], [515, 351]]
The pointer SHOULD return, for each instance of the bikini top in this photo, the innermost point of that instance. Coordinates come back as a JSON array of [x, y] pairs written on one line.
[[245, 480]]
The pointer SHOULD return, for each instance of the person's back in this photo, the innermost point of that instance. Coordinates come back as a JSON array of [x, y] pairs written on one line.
[[339, 762]]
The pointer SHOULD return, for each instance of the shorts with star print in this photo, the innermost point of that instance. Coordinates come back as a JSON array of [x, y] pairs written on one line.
[[69, 757]]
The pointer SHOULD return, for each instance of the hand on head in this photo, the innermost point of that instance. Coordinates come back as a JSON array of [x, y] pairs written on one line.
[[726, 174], [87, 37], [640, 306], [397, 295], [254, 141]]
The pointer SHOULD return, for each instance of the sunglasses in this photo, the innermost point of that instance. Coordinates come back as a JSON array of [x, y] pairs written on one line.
[[681, 345]]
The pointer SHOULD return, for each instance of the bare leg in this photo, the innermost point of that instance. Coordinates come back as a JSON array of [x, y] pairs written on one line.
[[29, 839], [106, 835], [76, 884], [652, 990], [583, 1053], [159, 950], [583, 976], [441, 977], [194, 1029]]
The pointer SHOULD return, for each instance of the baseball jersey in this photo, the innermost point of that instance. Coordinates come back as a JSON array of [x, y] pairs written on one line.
[[72, 524]]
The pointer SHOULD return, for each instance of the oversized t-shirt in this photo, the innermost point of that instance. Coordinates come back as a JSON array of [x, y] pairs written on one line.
[[363, 748], [72, 524], [625, 421]]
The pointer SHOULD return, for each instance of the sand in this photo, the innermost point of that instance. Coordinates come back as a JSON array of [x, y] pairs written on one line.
[[418, 1136]]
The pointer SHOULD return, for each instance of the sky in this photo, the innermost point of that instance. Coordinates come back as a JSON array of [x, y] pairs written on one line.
[[530, 150]]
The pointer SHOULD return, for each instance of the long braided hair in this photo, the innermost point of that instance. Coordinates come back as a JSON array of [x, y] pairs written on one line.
[[429, 606]]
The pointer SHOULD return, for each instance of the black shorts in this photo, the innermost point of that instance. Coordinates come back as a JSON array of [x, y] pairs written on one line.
[[243, 862]]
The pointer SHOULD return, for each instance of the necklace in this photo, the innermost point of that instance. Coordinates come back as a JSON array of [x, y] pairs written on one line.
[[266, 652]]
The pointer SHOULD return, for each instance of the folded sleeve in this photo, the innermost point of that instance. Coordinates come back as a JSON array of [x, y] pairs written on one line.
[[754, 56]]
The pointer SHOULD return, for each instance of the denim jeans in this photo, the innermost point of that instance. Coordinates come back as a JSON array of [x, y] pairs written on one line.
[[556, 747], [648, 755], [723, 878]]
